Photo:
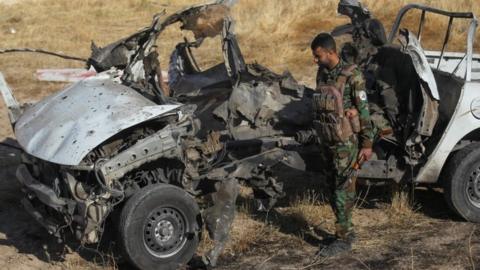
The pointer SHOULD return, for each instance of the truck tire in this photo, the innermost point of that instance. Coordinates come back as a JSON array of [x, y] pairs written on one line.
[[462, 182], [159, 227]]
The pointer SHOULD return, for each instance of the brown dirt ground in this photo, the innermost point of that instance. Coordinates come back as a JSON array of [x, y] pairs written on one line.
[[429, 238]]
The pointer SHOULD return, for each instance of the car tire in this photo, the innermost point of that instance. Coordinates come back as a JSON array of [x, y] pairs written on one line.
[[159, 227], [462, 182]]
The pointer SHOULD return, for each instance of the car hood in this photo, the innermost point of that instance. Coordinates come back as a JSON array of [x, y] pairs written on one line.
[[67, 125]]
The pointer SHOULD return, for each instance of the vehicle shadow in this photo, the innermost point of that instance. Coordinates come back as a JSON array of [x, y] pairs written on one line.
[[18, 228], [431, 202], [426, 200], [20, 232]]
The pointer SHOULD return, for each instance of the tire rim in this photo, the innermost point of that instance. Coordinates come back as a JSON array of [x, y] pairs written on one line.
[[164, 232], [473, 188]]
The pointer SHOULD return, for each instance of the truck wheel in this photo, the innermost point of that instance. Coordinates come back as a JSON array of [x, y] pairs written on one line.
[[462, 182], [159, 227]]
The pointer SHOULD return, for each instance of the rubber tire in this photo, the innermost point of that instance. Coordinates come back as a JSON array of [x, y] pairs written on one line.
[[134, 214], [457, 172]]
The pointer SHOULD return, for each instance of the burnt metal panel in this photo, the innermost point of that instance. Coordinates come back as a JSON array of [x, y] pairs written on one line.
[[64, 127]]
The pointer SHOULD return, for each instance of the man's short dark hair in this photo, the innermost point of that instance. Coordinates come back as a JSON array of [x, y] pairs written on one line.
[[324, 40]]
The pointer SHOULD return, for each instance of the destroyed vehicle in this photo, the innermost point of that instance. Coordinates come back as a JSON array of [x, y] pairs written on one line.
[[428, 126], [436, 130], [434, 134], [122, 141], [119, 144]]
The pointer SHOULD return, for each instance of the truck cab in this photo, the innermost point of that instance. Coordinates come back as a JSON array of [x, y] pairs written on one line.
[[444, 146]]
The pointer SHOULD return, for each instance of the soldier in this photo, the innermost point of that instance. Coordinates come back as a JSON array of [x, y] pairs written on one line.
[[342, 124], [367, 33], [368, 39]]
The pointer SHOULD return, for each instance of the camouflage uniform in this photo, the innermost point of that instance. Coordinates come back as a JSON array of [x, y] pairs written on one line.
[[344, 154], [367, 33], [367, 37]]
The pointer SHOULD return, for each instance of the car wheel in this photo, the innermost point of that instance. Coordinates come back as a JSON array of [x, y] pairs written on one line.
[[159, 227], [462, 182]]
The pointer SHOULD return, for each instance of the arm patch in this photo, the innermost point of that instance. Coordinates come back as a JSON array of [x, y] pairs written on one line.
[[362, 95]]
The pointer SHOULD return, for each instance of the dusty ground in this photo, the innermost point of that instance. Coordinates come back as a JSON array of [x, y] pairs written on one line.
[[391, 236]]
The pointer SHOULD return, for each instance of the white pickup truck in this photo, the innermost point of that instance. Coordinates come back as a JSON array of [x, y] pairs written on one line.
[[436, 101], [453, 153]]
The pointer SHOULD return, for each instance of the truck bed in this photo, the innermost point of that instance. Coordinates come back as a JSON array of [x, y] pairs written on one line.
[[450, 62]]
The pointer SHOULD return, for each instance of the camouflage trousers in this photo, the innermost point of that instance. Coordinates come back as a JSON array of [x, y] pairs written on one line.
[[342, 197]]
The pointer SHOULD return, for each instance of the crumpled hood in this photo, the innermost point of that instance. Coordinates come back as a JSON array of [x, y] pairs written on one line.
[[67, 125]]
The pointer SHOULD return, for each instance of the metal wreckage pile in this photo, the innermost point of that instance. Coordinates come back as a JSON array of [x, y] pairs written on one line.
[[126, 144], [126, 140]]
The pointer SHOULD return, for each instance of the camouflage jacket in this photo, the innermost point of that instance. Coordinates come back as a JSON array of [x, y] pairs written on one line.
[[354, 96], [367, 37]]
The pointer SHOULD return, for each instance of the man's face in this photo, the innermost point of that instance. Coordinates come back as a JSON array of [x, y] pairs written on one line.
[[321, 56]]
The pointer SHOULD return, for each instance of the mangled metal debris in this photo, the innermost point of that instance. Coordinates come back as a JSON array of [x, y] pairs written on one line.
[[109, 137], [127, 139]]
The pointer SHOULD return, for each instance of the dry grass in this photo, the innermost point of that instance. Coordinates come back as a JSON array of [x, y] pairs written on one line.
[[310, 210], [273, 32], [79, 263], [246, 234], [253, 231], [401, 209], [310, 213]]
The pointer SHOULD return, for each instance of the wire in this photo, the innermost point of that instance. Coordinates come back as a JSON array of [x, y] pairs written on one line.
[[68, 57]]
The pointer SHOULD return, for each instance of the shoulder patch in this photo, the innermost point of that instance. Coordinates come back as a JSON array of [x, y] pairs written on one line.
[[362, 95]]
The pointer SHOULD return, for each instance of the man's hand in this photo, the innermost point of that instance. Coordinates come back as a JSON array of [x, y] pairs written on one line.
[[365, 154], [350, 113]]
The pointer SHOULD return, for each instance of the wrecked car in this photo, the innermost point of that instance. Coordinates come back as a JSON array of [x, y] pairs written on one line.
[[127, 141], [120, 144]]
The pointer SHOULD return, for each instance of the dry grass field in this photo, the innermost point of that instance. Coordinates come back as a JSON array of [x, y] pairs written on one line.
[[393, 234]]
